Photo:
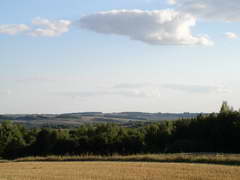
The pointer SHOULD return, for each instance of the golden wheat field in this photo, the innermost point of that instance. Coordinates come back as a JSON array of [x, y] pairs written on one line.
[[115, 171]]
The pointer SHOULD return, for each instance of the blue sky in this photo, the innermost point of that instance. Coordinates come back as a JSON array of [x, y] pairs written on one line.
[[140, 55]]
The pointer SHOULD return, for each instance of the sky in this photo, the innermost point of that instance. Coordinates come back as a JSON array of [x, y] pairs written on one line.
[[63, 56]]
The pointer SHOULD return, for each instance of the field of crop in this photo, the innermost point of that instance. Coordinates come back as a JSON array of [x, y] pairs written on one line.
[[116, 171], [224, 159]]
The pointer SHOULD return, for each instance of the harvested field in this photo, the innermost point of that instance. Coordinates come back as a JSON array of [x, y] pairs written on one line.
[[116, 171]]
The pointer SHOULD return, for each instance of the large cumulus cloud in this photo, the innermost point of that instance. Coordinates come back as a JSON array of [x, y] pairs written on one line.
[[221, 10], [159, 27]]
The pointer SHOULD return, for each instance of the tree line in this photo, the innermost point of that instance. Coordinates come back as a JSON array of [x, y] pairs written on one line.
[[216, 132]]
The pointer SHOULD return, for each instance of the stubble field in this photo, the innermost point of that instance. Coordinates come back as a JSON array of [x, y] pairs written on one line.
[[116, 171]]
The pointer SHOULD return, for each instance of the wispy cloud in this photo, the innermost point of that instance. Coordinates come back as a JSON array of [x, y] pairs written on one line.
[[132, 85], [130, 93], [5, 92], [171, 2], [159, 27], [39, 27], [193, 88], [50, 28], [37, 79], [190, 88], [12, 29], [231, 35], [145, 90]]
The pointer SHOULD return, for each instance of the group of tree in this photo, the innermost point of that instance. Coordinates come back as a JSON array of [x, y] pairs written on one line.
[[216, 132]]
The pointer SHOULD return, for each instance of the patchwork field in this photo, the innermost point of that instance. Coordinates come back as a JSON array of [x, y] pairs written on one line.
[[116, 171]]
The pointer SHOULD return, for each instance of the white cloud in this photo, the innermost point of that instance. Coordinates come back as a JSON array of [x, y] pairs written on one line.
[[194, 88], [139, 89], [41, 27], [50, 28], [150, 90], [154, 90], [36, 79], [223, 10], [142, 93], [231, 35], [12, 29], [159, 27], [131, 93], [132, 85], [5, 92], [172, 2]]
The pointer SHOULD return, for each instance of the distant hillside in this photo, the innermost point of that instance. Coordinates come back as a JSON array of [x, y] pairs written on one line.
[[76, 119]]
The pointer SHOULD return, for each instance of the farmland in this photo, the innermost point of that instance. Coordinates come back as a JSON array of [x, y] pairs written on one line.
[[69, 120], [115, 170]]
